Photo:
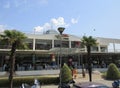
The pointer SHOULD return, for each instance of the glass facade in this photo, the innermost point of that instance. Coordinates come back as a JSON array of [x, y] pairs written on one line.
[[95, 49], [29, 43], [40, 58], [57, 43], [5, 46], [65, 44], [43, 44], [103, 49], [75, 44]]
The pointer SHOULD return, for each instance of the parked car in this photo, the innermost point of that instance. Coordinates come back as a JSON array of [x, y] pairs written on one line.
[[89, 85]]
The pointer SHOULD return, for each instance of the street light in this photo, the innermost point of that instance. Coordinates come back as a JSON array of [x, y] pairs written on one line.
[[60, 29]]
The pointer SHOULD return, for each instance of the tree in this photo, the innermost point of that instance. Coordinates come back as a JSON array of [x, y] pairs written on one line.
[[15, 39], [89, 42], [113, 72]]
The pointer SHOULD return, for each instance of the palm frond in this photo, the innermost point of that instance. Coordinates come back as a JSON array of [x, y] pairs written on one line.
[[11, 36]]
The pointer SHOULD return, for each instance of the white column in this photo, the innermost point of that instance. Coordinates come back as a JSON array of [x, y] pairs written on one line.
[[85, 49], [34, 44], [58, 60], [52, 43], [114, 46], [107, 49], [99, 50], [69, 44]]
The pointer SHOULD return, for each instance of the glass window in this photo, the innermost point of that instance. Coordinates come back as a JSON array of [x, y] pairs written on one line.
[[103, 49], [75, 44], [43, 44], [5, 45], [65, 44], [57, 43], [29, 43], [94, 48]]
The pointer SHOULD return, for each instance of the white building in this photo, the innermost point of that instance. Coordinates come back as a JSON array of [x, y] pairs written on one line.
[[44, 49]]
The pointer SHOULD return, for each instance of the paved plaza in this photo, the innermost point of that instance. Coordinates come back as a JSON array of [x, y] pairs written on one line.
[[95, 78]]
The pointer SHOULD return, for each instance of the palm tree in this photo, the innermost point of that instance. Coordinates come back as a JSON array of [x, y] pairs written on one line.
[[89, 42], [16, 40]]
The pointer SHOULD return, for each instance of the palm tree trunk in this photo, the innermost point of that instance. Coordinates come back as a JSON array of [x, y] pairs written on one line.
[[12, 62], [89, 63]]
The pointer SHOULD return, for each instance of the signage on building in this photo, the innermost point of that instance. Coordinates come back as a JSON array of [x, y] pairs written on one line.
[[64, 37]]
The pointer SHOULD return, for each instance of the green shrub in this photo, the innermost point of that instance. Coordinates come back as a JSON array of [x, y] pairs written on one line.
[[17, 81], [66, 74], [112, 72]]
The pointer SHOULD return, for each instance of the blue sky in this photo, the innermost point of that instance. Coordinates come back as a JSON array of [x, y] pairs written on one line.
[[99, 18]]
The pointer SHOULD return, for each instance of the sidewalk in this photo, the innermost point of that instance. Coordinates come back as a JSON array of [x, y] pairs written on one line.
[[95, 78]]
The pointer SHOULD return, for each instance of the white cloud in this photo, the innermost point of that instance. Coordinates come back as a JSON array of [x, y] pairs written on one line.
[[42, 28], [46, 26], [74, 21], [2, 28], [53, 24], [59, 22], [38, 29]]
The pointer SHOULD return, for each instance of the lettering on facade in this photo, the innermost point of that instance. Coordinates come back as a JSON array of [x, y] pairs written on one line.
[[64, 37]]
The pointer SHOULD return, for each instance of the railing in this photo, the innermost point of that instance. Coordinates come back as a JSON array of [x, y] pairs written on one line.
[[70, 50], [27, 68]]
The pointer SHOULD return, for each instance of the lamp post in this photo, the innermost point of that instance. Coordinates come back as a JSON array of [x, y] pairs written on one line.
[[60, 29]]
